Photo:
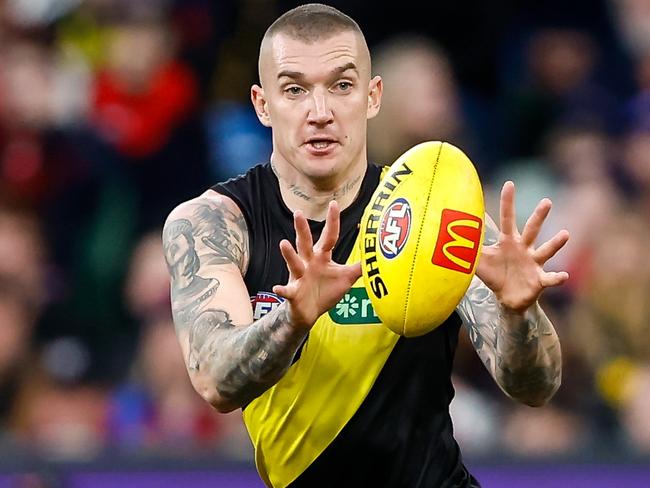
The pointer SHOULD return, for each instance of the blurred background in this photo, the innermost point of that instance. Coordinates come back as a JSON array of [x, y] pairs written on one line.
[[114, 111]]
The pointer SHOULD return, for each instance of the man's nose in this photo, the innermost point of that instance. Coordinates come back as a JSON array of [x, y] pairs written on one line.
[[320, 111]]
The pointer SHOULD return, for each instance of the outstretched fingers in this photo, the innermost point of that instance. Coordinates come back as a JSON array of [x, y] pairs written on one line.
[[295, 264], [547, 250], [535, 222], [507, 215], [296, 268], [553, 278], [330, 233], [304, 240], [287, 292]]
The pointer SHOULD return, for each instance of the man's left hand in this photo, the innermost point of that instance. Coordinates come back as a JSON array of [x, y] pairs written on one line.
[[513, 268]]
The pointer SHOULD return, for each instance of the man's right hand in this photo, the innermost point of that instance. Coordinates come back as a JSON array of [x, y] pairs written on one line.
[[316, 283]]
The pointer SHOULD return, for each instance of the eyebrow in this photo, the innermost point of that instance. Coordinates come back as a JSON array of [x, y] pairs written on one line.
[[297, 75]]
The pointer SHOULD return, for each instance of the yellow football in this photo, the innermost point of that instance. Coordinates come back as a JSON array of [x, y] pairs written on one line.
[[421, 237]]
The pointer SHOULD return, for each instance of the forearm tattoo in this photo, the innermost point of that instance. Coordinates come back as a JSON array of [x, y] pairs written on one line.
[[242, 362], [529, 360], [522, 352]]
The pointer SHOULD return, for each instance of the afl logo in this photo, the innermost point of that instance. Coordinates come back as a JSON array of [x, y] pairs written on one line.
[[263, 303], [394, 228]]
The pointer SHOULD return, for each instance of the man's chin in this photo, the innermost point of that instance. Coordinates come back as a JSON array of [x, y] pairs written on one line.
[[322, 169]]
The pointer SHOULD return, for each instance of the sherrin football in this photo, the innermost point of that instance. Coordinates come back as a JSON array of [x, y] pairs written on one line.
[[421, 236]]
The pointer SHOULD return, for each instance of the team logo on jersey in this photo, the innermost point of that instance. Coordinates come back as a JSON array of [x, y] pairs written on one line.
[[263, 303], [354, 308], [458, 241], [394, 228]]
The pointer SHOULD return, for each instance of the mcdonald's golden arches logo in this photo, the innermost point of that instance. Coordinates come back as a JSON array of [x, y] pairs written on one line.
[[458, 240]]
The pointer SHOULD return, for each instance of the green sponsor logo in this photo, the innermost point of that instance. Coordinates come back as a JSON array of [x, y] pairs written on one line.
[[354, 308]]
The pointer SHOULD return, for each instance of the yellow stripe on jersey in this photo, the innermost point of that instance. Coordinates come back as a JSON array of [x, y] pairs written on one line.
[[293, 422]]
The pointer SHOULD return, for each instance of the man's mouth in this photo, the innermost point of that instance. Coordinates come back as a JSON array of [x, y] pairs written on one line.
[[321, 144]]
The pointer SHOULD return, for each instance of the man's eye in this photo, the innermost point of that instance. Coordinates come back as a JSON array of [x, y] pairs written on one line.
[[294, 90], [344, 85]]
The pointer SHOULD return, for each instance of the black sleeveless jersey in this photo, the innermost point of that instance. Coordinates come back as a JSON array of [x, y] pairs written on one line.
[[401, 434]]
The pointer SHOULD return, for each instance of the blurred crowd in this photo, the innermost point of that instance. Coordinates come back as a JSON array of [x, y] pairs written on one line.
[[114, 111]]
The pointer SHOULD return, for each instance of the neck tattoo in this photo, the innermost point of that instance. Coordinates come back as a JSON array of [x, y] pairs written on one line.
[[346, 188], [302, 193], [297, 191]]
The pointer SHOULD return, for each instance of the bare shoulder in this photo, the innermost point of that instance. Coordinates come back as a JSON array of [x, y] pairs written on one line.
[[211, 225]]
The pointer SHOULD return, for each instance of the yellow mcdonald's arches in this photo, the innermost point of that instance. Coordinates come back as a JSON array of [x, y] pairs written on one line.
[[459, 241]]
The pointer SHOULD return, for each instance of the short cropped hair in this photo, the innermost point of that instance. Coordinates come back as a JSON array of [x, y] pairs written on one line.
[[312, 22]]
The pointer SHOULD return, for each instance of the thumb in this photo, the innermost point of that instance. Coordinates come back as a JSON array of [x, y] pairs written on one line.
[[283, 291], [486, 263], [353, 271], [554, 278]]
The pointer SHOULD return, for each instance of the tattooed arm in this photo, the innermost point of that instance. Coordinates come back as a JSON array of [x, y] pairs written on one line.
[[231, 359], [229, 365], [207, 250], [510, 332], [520, 350]]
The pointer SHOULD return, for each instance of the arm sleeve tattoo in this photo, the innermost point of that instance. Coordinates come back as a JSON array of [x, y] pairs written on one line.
[[237, 362], [521, 352], [243, 362]]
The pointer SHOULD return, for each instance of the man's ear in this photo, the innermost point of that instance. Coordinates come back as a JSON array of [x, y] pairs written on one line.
[[260, 105], [375, 89]]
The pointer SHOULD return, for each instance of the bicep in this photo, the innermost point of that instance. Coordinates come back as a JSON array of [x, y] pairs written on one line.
[[206, 248]]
